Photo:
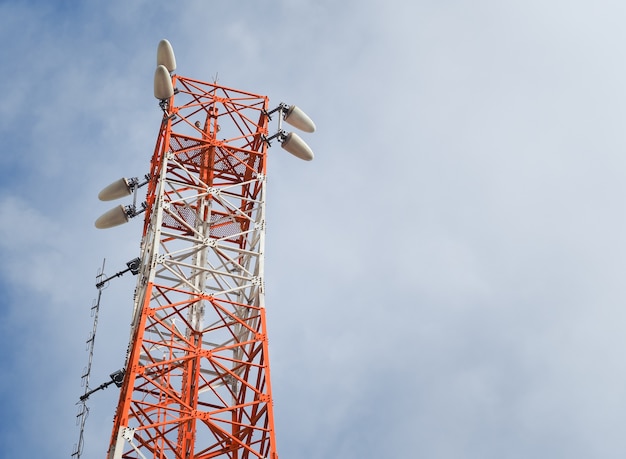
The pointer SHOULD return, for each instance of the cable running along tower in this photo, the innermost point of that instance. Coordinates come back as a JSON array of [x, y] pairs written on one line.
[[197, 375]]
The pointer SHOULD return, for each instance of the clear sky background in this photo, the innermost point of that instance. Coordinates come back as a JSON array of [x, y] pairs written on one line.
[[444, 280]]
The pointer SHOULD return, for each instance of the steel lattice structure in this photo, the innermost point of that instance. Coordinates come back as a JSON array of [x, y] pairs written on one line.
[[197, 381]]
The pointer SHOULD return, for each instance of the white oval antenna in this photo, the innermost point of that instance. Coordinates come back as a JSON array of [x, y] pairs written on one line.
[[297, 147], [163, 88], [165, 55], [298, 119], [113, 217], [115, 190]]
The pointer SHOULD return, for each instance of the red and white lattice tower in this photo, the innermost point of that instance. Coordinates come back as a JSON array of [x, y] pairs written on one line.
[[197, 373]]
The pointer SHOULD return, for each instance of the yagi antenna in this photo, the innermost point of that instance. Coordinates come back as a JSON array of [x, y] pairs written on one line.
[[117, 377], [83, 410]]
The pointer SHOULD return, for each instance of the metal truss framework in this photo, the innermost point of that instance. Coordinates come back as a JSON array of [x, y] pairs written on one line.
[[197, 379]]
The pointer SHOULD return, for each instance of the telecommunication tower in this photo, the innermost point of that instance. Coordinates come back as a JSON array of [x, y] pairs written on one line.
[[197, 374]]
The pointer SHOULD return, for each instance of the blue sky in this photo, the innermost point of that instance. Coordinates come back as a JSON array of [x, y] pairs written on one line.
[[444, 280]]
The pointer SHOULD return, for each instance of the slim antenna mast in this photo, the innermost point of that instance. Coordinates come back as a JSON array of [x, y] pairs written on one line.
[[83, 411]]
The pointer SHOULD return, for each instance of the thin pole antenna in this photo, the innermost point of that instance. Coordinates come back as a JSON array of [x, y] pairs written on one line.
[[83, 410]]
